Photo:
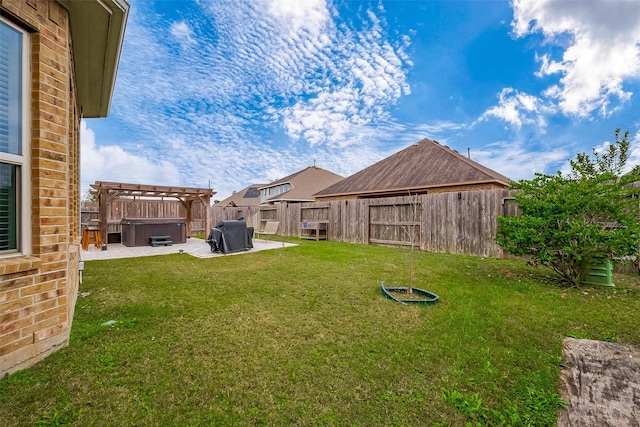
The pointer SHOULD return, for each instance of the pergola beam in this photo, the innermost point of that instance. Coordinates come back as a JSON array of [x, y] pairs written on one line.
[[108, 191]]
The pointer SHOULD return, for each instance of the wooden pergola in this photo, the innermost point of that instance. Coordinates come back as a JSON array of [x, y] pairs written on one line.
[[108, 191]]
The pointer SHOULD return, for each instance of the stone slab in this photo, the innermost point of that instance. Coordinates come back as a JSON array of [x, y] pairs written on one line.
[[600, 382]]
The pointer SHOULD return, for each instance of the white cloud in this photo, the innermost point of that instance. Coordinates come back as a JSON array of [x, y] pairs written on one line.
[[183, 33], [517, 108], [634, 153], [603, 49], [516, 161], [112, 163], [439, 128], [262, 71], [363, 76], [309, 15]]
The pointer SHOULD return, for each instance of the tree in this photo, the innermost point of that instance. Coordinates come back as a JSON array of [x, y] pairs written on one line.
[[569, 223], [411, 231], [89, 200]]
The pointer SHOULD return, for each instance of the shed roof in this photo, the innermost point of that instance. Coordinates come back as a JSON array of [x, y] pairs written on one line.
[[305, 183], [423, 165]]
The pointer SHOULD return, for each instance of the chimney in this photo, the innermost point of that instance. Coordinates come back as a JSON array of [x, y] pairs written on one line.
[[469, 152]]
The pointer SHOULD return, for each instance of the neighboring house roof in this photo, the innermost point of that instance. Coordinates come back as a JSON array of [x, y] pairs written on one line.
[[417, 168], [249, 196], [97, 32], [305, 184]]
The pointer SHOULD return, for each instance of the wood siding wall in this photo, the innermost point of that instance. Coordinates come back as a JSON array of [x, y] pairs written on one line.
[[459, 223]]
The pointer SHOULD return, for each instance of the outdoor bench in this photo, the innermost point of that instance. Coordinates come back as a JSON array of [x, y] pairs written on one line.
[[161, 240]]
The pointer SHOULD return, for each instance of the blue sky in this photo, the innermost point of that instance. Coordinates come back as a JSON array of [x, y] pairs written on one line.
[[234, 92]]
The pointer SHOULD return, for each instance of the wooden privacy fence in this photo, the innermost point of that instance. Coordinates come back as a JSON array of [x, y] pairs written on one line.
[[128, 208], [459, 223]]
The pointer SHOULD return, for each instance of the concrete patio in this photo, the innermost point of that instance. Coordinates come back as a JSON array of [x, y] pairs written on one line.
[[194, 246]]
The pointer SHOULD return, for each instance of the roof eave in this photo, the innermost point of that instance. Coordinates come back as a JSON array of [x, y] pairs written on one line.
[[276, 184], [409, 189], [293, 200], [97, 34]]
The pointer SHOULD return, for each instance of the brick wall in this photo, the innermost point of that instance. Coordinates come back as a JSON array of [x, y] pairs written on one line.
[[38, 292]]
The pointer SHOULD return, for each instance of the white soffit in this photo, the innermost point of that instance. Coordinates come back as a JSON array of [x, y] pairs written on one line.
[[97, 33]]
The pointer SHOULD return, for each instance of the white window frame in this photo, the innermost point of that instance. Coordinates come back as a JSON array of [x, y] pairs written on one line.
[[23, 184]]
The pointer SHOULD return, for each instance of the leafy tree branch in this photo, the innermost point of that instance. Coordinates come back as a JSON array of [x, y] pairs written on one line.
[[569, 223]]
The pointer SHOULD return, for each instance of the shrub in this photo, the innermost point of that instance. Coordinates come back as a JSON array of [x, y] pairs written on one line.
[[569, 223]]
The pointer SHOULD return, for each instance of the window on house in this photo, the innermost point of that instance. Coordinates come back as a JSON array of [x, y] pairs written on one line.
[[13, 155]]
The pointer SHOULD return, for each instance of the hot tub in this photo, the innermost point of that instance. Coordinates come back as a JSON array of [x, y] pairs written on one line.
[[138, 231]]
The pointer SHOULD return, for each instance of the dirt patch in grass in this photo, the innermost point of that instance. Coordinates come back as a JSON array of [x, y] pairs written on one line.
[[600, 383], [630, 281]]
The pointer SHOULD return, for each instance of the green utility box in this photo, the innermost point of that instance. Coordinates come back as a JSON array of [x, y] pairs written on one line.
[[600, 274]]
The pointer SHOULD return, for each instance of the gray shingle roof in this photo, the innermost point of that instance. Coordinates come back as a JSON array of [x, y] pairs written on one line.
[[425, 164], [249, 196], [305, 184]]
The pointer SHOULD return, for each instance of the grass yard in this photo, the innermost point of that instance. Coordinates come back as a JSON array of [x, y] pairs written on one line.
[[302, 336]]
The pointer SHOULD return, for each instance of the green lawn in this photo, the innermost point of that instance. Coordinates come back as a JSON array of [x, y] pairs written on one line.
[[302, 336]]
